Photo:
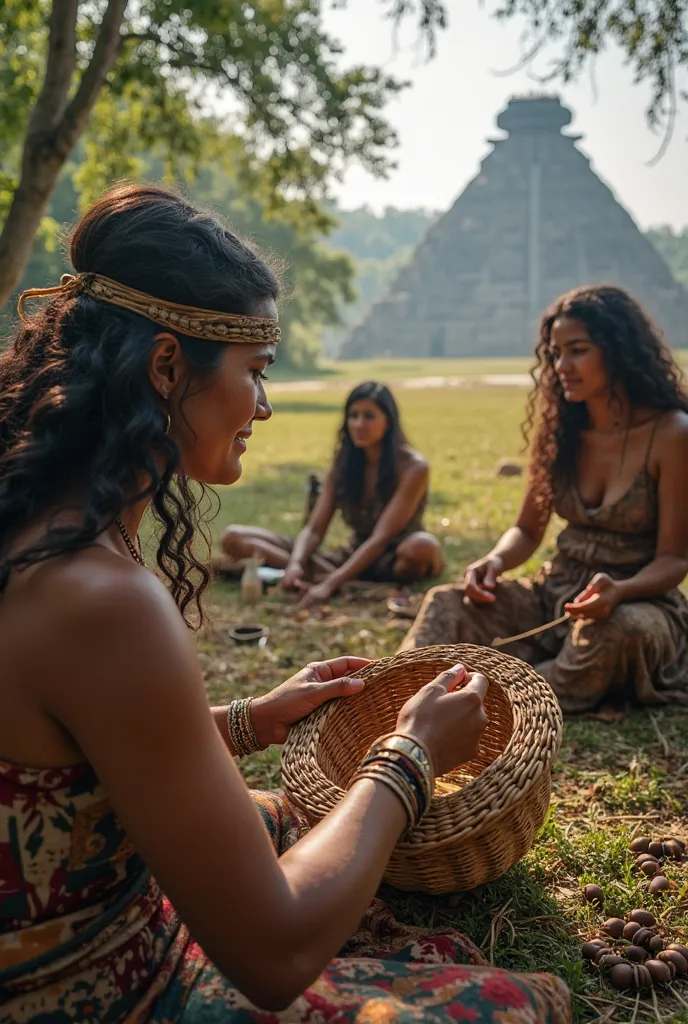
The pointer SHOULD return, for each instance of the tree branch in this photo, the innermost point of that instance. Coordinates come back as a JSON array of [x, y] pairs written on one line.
[[105, 54], [60, 65], [54, 130]]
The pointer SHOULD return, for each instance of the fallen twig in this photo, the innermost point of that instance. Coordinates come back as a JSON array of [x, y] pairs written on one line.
[[497, 923], [660, 1019], [630, 817], [680, 998], [660, 736]]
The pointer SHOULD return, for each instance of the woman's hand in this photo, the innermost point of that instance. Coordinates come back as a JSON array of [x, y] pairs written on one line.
[[480, 579], [293, 577], [597, 601], [275, 712], [317, 594], [448, 716]]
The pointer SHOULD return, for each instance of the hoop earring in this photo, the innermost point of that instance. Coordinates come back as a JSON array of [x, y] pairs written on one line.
[[168, 424]]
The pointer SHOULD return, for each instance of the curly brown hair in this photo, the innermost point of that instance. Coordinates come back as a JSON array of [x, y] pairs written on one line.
[[77, 409], [636, 359]]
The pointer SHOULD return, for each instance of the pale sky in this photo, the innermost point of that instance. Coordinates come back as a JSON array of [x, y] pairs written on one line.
[[445, 117]]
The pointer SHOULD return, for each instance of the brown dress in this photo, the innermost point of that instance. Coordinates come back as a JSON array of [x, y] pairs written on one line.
[[640, 651], [361, 521]]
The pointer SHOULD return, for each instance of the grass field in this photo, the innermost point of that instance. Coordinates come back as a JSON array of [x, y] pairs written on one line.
[[614, 779], [330, 371]]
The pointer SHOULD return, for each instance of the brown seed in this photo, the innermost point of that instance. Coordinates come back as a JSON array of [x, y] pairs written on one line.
[[656, 944], [673, 849], [676, 947], [631, 928], [656, 849], [614, 927], [593, 894], [659, 884], [643, 936], [660, 972], [600, 953], [676, 958], [643, 917], [636, 954], [641, 976], [590, 949], [609, 960], [643, 857], [622, 976], [641, 844], [649, 867], [665, 957]]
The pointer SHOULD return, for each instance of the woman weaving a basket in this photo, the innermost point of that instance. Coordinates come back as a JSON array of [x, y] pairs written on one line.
[[117, 781], [610, 457]]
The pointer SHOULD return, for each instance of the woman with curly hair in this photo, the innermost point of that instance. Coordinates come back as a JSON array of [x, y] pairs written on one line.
[[609, 457], [141, 881], [380, 485]]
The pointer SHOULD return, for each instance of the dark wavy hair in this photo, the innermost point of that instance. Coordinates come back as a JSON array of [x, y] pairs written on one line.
[[635, 358], [78, 413], [349, 461]]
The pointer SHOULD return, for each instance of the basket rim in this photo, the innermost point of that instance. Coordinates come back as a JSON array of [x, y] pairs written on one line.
[[506, 781]]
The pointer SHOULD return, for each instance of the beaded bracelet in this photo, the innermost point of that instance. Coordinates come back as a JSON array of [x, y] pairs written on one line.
[[403, 765], [240, 726]]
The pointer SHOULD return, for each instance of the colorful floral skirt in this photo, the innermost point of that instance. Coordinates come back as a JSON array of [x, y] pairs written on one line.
[[137, 964], [388, 973]]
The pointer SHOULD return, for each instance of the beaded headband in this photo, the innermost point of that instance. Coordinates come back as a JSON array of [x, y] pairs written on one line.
[[189, 320]]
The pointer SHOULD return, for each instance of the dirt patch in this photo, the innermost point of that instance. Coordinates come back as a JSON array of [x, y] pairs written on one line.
[[504, 380]]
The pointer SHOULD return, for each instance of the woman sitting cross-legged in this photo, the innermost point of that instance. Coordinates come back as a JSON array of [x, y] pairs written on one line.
[[610, 456], [141, 881], [380, 485]]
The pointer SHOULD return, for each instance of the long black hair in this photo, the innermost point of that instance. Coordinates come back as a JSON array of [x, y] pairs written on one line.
[[349, 461], [635, 359], [77, 410]]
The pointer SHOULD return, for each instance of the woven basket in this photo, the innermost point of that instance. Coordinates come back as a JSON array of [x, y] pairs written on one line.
[[474, 833]]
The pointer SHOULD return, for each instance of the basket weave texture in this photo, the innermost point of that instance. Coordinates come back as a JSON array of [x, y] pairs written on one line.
[[484, 815]]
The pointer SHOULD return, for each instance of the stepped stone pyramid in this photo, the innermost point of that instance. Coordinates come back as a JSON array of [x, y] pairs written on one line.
[[534, 222]]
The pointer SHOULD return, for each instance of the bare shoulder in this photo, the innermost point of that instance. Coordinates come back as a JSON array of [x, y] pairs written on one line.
[[669, 457], [97, 616], [78, 591], [414, 465], [673, 425]]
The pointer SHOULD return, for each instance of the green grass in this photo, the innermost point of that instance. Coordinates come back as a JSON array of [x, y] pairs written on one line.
[[613, 779], [331, 372]]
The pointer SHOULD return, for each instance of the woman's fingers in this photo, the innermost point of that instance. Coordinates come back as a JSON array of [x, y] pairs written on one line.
[[476, 684], [451, 677], [335, 668]]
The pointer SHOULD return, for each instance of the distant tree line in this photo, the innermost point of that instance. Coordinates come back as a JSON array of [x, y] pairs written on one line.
[[336, 262]]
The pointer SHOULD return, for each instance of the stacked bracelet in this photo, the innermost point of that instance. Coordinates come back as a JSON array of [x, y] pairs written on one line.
[[240, 726], [403, 764]]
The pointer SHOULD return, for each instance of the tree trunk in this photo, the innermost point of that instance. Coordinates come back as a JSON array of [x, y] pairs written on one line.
[[55, 127]]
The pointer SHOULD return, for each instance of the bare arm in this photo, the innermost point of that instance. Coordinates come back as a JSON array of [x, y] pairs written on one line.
[[396, 515], [514, 547], [670, 564], [312, 535], [521, 541], [269, 925]]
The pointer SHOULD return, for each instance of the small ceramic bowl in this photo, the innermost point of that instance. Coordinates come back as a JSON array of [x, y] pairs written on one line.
[[402, 607], [253, 634]]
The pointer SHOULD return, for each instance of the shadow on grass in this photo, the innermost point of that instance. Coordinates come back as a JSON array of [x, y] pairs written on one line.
[[515, 922]]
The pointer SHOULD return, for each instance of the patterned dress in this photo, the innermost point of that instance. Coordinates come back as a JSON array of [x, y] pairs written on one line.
[[86, 936], [640, 651], [361, 520]]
